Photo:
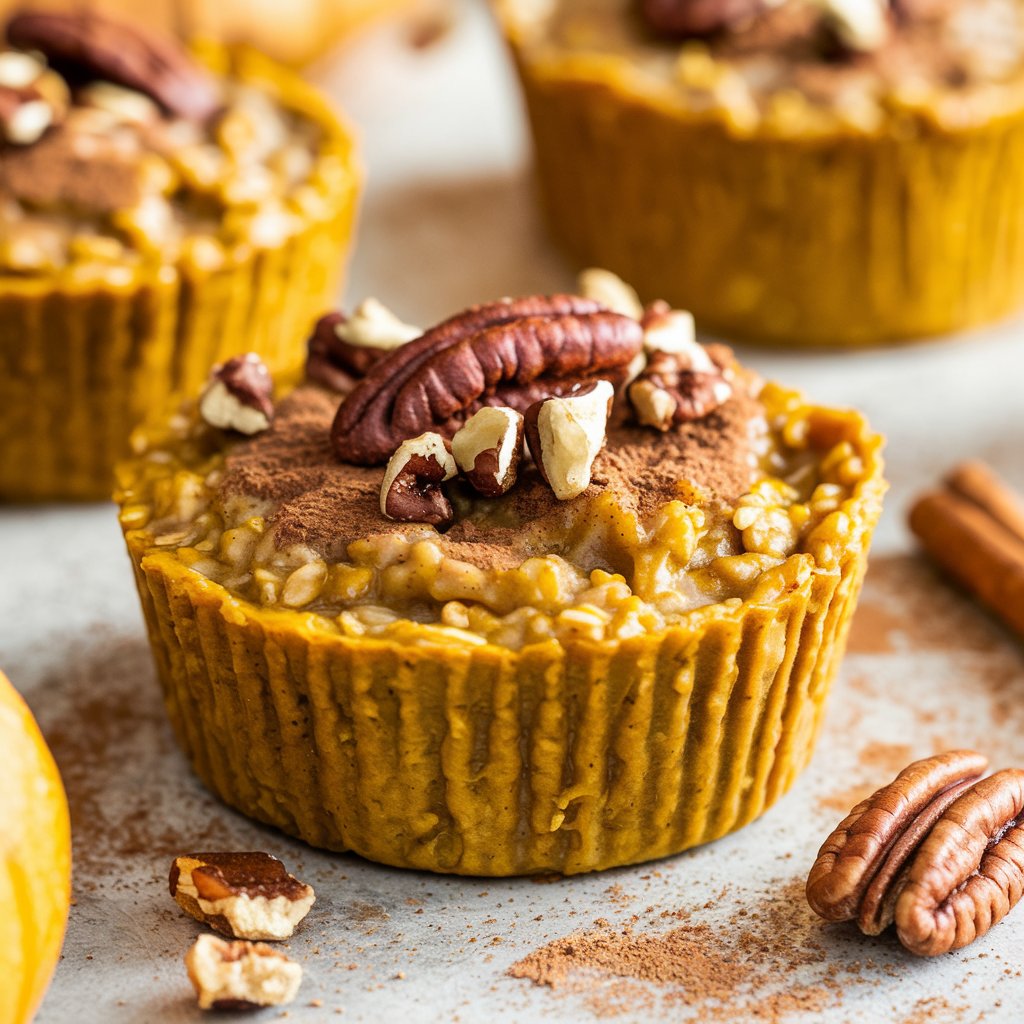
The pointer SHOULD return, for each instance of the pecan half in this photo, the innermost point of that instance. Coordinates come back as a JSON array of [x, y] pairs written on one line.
[[937, 852], [510, 353], [83, 44], [697, 17]]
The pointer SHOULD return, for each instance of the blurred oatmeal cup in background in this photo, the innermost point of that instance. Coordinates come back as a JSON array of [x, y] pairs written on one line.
[[811, 172], [159, 210]]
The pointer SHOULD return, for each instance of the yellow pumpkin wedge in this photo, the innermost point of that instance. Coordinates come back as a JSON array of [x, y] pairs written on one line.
[[35, 860]]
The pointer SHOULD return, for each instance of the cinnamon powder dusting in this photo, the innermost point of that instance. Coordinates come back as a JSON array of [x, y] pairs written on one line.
[[766, 966], [327, 505]]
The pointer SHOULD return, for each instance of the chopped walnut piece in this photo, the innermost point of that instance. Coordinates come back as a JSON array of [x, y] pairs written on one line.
[[242, 895], [240, 975]]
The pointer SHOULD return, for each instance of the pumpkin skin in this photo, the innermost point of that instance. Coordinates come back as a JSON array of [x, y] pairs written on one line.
[[35, 860]]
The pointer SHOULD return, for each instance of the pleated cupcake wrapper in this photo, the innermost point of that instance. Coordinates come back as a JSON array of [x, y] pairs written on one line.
[[482, 760], [842, 240], [83, 363]]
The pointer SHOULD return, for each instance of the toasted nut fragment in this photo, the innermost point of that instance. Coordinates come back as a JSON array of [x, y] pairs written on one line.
[[673, 331], [680, 382], [238, 395], [373, 325], [488, 448], [411, 490], [565, 435], [241, 895], [240, 975], [653, 406], [663, 396], [18, 70], [96, 46], [937, 852], [611, 291], [859, 26], [344, 349], [126, 105], [24, 115]]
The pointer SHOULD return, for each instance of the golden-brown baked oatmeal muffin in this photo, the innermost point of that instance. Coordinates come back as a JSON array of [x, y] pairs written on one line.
[[808, 172], [382, 626], [158, 211]]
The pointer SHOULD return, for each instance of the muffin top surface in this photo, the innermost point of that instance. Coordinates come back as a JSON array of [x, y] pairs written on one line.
[[327, 505], [797, 65], [121, 150], [571, 466]]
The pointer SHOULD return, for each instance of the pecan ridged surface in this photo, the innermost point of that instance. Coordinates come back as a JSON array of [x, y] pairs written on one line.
[[511, 353], [85, 44], [696, 17], [938, 852]]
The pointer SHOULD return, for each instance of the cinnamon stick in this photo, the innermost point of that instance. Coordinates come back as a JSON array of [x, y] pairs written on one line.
[[976, 482], [974, 529]]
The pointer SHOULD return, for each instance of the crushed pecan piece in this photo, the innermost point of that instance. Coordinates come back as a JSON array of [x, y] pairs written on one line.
[[238, 395], [680, 382], [411, 491], [510, 353], [84, 44], [24, 115], [566, 434], [240, 975], [342, 349], [488, 448], [241, 895], [937, 852]]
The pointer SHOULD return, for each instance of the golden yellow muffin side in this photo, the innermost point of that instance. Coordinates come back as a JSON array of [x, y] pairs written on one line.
[[475, 758]]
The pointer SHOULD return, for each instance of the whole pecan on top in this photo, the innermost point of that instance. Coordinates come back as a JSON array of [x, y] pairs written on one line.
[[937, 852], [697, 17], [86, 45], [510, 353]]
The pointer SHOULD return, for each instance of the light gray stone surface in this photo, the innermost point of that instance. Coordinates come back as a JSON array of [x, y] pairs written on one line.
[[448, 221]]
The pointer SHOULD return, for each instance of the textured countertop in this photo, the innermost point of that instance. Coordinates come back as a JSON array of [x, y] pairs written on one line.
[[448, 221]]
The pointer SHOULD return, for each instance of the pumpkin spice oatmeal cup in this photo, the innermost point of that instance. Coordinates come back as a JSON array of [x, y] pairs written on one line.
[[807, 172], [157, 212], [382, 625]]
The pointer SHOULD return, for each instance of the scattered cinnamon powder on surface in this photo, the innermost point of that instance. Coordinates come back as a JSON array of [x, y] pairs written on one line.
[[886, 760], [906, 606], [105, 722], [768, 964]]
